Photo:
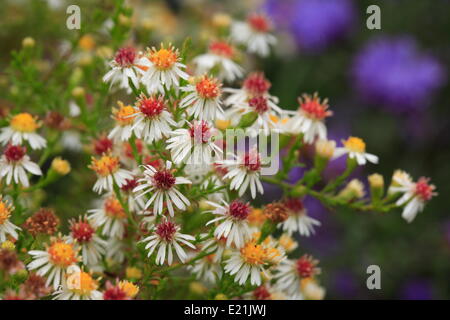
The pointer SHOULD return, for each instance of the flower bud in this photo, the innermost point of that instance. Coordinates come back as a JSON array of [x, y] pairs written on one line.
[[222, 124], [61, 166], [78, 92], [28, 42], [325, 148], [221, 20], [353, 190], [8, 245], [376, 181], [133, 273]]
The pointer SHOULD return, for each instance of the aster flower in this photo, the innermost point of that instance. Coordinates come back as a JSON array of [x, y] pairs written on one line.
[[415, 195], [43, 221], [115, 249], [124, 67], [166, 237], [22, 127], [309, 118], [207, 269], [254, 33], [356, 149], [163, 68], [152, 121], [244, 172], [6, 226], [15, 163], [124, 118], [233, 222], [203, 99], [122, 290], [162, 182], [291, 272], [78, 285], [111, 217], [92, 246], [216, 246], [298, 220], [194, 145], [220, 54], [108, 172], [54, 261]]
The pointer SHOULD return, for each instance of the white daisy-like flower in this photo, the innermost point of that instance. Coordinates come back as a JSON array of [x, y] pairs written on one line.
[[54, 261], [203, 99], [220, 54], [166, 237], [216, 246], [244, 172], [78, 285], [109, 172], [254, 33], [233, 222], [152, 121], [162, 69], [6, 226], [289, 273], [124, 67], [206, 269], [194, 145], [250, 261], [356, 149], [124, 118], [22, 127], [309, 119], [298, 220], [82, 232], [415, 195], [14, 163], [115, 249], [111, 217]]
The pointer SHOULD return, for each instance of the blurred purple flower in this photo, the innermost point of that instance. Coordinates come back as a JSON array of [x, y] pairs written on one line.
[[314, 24], [417, 290], [392, 72]]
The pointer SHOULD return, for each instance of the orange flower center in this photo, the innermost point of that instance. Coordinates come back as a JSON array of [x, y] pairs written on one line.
[[5, 212], [355, 144], [24, 122], [253, 253], [164, 59], [81, 283], [124, 116], [114, 209], [130, 289], [62, 254], [208, 88], [105, 166]]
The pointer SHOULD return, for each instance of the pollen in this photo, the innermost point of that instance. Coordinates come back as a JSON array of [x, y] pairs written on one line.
[[81, 283], [208, 88], [24, 122], [222, 48], [5, 211], [114, 209], [130, 289], [62, 254], [313, 107], [355, 144], [163, 59], [124, 115], [259, 23], [105, 166], [254, 254], [151, 106]]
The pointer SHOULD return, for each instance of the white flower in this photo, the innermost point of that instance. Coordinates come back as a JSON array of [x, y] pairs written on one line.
[[78, 285], [124, 118], [203, 99], [124, 67], [111, 217], [233, 222], [162, 69], [15, 163], [54, 261], [115, 249], [194, 145], [109, 173], [254, 34], [220, 54], [298, 219], [206, 269], [152, 121], [356, 149], [6, 227], [92, 246], [162, 183], [22, 127], [309, 118], [415, 195], [167, 237], [244, 172]]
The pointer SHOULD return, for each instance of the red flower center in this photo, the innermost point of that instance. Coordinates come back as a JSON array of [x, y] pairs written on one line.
[[125, 57], [200, 132], [221, 48], [151, 107], [295, 205], [82, 231], [114, 293], [103, 145], [314, 108], [14, 153], [256, 84], [252, 161], [259, 22], [129, 185], [239, 210], [163, 180], [306, 266], [259, 104], [424, 190], [261, 293], [166, 230]]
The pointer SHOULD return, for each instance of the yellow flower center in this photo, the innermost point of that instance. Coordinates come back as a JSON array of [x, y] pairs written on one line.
[[124, 115], [62, 254], [86, 42], [105, 166], [163, 59], [355, 144], [114, 209], [5, 212], [81, 283], [254, 254], [129, 288], [24, 122]]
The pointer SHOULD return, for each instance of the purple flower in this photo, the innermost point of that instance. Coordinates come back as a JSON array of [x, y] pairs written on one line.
[[417, 290], [392, 72], [314, 24]]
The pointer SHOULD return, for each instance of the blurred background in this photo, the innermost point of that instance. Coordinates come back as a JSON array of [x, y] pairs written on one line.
[[389, 86]]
